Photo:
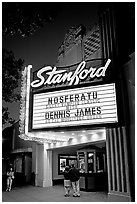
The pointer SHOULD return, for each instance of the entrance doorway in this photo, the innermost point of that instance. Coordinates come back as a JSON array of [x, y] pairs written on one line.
[[89, 157]]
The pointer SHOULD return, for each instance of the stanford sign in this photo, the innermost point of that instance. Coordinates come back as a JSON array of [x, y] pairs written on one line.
[[55, 76]]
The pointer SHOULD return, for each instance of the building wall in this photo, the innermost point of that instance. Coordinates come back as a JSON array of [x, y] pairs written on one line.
[[55, 165], [118, 44], [92, 48], [40, 156], [42, 165], [28, 168], [12, 141], [85, 47], [129, 106], [7, 135], [72, 56], [17, 142], [70, 52], [19, 153]]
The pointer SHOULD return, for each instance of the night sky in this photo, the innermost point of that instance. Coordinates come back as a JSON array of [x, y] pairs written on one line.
[[42, 47]]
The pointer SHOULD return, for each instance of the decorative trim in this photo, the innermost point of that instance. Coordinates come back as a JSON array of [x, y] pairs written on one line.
[[92, 43]]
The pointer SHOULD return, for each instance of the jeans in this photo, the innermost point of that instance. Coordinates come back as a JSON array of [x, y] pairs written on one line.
[[9, 183], [67, 190], [75, 186], [67, 186]]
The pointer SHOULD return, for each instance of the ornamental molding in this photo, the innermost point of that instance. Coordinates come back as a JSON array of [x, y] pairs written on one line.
[[72, 37]]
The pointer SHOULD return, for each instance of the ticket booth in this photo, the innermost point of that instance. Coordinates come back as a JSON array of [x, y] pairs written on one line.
[[93, 171]]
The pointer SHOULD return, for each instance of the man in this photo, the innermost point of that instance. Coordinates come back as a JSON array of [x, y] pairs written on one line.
[[74, 178]]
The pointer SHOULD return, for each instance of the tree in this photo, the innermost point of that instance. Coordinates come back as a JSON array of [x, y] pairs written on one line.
[[25, 17], [11, 69], [5, 116]]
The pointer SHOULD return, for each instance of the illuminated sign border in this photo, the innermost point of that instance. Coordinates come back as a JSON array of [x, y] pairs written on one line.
[[24, 103], [110, 104]]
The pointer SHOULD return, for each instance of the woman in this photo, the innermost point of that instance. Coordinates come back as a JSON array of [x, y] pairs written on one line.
[[10, 177]]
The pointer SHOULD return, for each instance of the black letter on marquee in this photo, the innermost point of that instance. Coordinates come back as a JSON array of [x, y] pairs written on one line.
[[49, 101], [94, 94]]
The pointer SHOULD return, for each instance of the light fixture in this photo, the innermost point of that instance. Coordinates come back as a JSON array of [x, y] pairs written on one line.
[[95, 136], [45, 137]]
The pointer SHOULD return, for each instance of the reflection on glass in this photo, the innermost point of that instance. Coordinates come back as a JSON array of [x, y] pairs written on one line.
[[90, 162], [82, 163], [62, 164], [72, 161], [100, 162], [66, 160]]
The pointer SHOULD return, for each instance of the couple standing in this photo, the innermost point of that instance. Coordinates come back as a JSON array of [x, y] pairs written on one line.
[[71, 175]]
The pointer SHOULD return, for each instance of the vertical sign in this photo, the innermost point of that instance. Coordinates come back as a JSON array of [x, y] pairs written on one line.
[[24, 102]]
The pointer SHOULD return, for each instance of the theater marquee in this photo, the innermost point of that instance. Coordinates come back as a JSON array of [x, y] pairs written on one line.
[[81, 106]]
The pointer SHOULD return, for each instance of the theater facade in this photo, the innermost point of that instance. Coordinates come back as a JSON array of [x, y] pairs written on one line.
[[81, 110]]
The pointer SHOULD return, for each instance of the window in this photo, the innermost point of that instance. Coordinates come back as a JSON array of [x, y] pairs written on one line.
[[18, 164], [100, 162], [90, 162], [62, 165], [81, 156], [66, 160]]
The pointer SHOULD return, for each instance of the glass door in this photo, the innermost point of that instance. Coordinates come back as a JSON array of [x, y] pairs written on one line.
[[101, 163], [91, 161], [81, 160]]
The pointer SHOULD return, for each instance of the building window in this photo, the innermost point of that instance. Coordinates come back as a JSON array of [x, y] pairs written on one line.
[[66, 160]]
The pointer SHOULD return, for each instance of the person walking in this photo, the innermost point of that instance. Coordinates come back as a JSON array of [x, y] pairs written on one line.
[[67, 183], [10, 177], [74, 178]]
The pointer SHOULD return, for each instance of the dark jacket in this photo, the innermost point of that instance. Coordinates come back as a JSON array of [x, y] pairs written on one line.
[[74, 174], [66, 175]]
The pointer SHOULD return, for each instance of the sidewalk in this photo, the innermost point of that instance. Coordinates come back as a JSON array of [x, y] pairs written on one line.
[[50, 194]]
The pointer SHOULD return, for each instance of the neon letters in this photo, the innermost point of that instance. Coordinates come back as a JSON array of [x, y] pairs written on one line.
[[73, 77]]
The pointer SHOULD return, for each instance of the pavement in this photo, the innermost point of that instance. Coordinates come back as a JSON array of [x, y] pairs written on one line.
[[50, 194]]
